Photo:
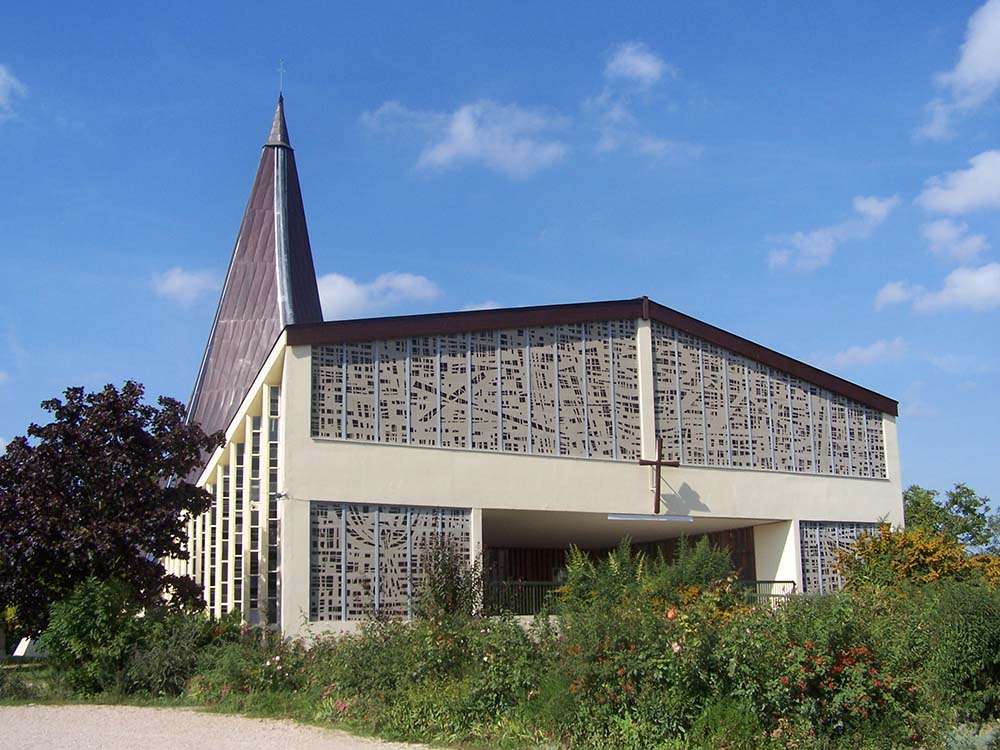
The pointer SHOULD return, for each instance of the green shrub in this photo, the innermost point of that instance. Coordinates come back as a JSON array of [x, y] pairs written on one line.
[[448, 679], [727, 722], [91, 635], [953, 635], [892, 557], [813, 661], [636, 634], [694, 566], [170, 647], [625, 574], [451, 585], [100, 640], [13, 685], [259, 661], [640, 653]]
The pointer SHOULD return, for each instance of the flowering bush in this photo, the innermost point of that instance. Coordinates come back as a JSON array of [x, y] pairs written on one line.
[[811, 661], [432, 679], [257, 662], [632, 655], [890, 557]]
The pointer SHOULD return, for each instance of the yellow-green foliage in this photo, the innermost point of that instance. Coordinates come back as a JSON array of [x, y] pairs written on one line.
[[890, 557]]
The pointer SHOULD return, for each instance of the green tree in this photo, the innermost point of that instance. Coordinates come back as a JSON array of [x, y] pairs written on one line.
[[961, 515], [100, 491]]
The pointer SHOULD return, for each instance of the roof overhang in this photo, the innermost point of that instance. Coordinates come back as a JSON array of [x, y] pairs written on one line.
[[442, 324], [271, 365]]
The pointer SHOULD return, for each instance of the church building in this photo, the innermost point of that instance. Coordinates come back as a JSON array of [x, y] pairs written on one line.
[[350, 446]]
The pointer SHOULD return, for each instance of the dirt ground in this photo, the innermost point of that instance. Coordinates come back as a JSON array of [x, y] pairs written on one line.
[[113, 727]]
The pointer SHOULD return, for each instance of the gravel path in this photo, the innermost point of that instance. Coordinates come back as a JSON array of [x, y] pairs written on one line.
[[112, 727]]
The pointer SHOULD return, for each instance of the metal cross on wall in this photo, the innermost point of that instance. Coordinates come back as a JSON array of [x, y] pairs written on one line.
[[658, 463]]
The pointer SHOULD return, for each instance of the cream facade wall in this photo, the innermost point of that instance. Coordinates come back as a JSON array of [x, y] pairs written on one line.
[[358, 471], [323, 469], [371, 472]]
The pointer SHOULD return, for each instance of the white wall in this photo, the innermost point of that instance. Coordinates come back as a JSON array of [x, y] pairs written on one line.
[[369, 472], [314, 469], [776, 550]]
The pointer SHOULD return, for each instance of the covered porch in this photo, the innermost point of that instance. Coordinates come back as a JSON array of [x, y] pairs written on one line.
[[524, 551]]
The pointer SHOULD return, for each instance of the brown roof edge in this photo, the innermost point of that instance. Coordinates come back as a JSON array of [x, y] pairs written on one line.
[[435, 324], [771, 358], [470, 321]]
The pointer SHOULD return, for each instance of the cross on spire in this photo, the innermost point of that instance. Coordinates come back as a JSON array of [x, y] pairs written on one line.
[[281, 76]]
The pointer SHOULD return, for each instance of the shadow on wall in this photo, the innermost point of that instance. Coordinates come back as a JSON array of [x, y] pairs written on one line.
[[683, 501]]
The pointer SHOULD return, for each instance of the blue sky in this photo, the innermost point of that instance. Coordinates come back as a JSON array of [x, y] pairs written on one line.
[[821, 178]]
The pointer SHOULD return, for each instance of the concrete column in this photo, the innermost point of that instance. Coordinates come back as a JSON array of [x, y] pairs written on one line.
[[247, 509], [476, 535], [206, 554], [776, 552], [231, 552], [264, 505], [647, 414], [892, 470], [189, 548], [294, 524], [220, 500], [196, 557]]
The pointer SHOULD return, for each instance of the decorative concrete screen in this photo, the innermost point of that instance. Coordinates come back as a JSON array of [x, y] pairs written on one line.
[[717, 408], [821, 543], [569, 390], [366, 560]]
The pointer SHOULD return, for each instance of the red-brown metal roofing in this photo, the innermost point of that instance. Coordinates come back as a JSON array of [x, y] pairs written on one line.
[[270, 283]]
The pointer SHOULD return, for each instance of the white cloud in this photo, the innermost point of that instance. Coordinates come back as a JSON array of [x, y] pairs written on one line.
[[619, 129], [4, 377], [503, 137], [975, 77], [634, 61], [342, 297], [956, 364], [807, 251], [915, 403], [489, 304], [394, 116], [965, 190], [951, 239], [10, 89], [895, 292], [972, 288], [878, 351], [184, 287], [632, 68]]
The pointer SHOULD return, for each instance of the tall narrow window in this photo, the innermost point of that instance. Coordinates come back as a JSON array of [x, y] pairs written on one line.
[[272, 507], [238, 530], [254, 509]]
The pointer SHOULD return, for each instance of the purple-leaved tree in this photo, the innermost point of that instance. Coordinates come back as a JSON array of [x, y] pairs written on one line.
[[101, 490]]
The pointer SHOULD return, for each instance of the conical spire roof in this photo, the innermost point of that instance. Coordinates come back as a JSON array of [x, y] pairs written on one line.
[[279, 130], [271, 283]]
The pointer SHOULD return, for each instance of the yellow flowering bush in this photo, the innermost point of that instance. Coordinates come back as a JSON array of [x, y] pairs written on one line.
[[888, 557]]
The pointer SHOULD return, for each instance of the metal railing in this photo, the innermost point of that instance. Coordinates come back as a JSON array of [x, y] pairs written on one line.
[[516, 597], [766, 592], [530, 597]]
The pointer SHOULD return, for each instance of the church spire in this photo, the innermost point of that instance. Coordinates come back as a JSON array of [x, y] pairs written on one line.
[[271, 283], [279, 130]]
